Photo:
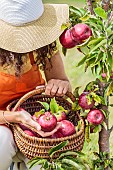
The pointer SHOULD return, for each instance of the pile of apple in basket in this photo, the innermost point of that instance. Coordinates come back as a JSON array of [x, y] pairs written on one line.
[[54, 120]]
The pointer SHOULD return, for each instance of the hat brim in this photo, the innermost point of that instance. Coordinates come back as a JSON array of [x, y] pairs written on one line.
[[36, 34]]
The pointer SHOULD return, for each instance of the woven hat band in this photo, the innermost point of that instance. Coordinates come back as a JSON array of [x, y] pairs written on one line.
[[19, 12]]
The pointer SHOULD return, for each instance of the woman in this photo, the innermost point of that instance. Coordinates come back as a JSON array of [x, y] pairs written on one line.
[[28, 30]]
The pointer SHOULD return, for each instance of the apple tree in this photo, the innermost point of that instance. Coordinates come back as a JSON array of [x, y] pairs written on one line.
[[90, 30]]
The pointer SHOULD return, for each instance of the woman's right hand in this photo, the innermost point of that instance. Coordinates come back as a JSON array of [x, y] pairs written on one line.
[[26, 119]]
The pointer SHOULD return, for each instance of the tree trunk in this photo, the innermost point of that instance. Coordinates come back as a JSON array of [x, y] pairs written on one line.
[[104, 134], [103, 141]]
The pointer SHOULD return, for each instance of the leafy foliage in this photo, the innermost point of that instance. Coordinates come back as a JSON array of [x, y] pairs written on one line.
[[97, 50], [102, 161], [71, 160]]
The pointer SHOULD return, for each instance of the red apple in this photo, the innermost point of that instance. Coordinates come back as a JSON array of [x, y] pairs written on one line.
[[29, 132], [95, 117], [67, 40], [67, 128], [104, 75], [23, 127], [60, 116], [56, 135], [81, 32], [47, 121], [83, 101]]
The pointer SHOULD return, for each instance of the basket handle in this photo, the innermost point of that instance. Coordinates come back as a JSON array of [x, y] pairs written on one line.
[[39, 90]]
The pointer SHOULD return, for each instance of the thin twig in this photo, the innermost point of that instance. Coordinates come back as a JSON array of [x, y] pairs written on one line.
[[106, 4], [90, 7], [111, 129]]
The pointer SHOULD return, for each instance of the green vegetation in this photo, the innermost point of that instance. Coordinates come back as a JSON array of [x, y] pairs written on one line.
[[78, 77]]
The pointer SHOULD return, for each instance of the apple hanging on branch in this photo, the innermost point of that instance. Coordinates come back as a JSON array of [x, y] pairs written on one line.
[[95, 117], [84, 102], [75, 35]]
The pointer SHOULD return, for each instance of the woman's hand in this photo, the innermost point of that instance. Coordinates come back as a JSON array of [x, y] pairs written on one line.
[[26, 119], [57, 87]]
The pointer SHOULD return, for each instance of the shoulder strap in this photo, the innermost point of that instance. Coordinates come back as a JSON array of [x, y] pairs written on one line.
[[31, 57]]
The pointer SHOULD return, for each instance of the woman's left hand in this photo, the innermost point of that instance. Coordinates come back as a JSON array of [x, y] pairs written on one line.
[[57, 87]]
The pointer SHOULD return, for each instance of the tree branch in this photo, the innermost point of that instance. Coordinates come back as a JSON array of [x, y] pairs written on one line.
[[110, 130], [90, 7], [106, 4]]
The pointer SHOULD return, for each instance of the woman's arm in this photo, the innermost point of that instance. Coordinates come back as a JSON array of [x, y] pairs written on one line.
[[22, 117], [58, 82]]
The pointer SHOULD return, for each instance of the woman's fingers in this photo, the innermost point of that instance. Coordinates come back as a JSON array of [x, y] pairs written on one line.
[[27, 120], [57, 87], [34, 125]]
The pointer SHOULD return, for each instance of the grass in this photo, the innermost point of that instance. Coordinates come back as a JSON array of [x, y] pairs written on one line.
[[70, 2]]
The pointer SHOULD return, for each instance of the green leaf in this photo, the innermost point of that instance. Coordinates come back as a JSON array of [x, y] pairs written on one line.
[[39, 161], [64, 50], [109, 89], [53, 106], [75, 92], [46, 165], [82, 61], [85, 17], [97, 128], [64, 26], [40, 112], [98, 69], [61, 109], [45, 105], [101, 12], [95, 41], [74, 163], [96, 97], [58, 166], [76, 11], [71, 153], [57, 148], [104, 41]]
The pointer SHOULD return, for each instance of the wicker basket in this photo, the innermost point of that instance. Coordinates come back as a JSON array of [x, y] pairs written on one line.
[[34, 146]]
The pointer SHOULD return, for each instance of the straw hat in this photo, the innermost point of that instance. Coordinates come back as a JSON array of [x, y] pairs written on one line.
[[26, 25]]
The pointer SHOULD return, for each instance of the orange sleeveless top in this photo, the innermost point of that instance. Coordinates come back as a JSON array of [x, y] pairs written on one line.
[[12, 87]]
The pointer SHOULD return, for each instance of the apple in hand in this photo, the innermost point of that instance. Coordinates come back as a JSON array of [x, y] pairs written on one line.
[[60, 116], [81, 32], [23, 127], [83, 101], [67, 128], [29, 132], [47, 121], [56, 135], [95, 117], [67, 40]]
